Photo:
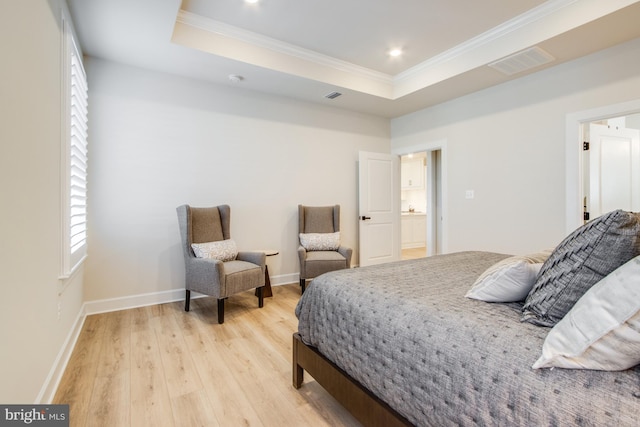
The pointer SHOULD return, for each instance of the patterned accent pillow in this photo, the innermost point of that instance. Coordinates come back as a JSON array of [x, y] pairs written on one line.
[[320, 241], [583, 258], [222, 250], [602, 330], [509, 280]]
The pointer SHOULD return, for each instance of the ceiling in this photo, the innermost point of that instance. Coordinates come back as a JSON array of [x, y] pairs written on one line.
[[306, 49]]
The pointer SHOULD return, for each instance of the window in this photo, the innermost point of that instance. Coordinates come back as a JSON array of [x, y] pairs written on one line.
[[74, 152]]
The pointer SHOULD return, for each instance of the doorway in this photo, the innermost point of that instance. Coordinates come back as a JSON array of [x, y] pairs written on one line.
[[435, 185], [575, 166], [611, 165], [413, 205]]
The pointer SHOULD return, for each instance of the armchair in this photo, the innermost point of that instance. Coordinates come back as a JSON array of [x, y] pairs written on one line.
[[316, 222], [220, 270]]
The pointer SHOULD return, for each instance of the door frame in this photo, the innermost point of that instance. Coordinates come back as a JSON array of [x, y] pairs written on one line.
[[430, 188], [574, 167]]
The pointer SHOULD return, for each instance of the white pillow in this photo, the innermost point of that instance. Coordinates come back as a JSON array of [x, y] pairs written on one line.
[[320, 241], [508, 280], [602, 330], [223, 250]]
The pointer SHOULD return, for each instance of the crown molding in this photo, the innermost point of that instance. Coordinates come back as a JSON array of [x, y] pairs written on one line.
[[486, 38], [226, 30]]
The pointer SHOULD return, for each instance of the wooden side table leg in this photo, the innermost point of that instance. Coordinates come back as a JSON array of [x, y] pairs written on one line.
[[267, 283], [266, 292]]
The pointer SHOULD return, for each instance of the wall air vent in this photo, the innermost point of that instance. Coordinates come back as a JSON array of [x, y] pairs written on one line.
[[332, 95], [522, 61]]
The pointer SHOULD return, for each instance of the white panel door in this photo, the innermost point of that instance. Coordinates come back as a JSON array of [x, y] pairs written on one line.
[[614, 166], [379, 208]]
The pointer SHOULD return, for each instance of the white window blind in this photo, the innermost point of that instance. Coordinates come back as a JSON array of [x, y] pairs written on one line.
[[78, 155], [75, 153]]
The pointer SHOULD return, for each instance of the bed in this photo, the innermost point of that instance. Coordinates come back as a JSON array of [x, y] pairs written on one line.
[[400, 344]]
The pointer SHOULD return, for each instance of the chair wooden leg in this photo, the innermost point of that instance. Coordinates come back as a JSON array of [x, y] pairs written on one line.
[[260, 291], [187, 300], [221, 311], [303, 284]]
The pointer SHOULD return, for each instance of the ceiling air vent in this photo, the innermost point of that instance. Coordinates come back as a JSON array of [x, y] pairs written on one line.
[[332, 95], [521, 61]]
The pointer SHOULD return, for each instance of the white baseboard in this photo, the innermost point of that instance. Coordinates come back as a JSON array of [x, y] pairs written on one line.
[[48, 390], [133, 301], [285, 279]]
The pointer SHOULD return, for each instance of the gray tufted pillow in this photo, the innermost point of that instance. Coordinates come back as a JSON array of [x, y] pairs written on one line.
[[583, 258]]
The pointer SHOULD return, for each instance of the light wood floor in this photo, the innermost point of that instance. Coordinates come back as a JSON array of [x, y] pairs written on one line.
[[161, 366], [414, 253]]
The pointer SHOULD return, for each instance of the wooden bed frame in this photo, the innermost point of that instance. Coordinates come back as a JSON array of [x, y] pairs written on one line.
[[363, 405]]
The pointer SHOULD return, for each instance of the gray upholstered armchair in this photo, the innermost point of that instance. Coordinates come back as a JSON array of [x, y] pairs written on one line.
[[322, 256], [221, 271]]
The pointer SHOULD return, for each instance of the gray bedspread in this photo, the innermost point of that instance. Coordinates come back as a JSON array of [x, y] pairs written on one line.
[[406, 332]]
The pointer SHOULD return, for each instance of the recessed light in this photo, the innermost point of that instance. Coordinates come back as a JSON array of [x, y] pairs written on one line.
[[395, 52], [251, 1]]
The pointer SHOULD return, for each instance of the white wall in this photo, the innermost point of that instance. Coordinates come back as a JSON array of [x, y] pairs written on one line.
[[507, 143], [158, 141], [31, 333]]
